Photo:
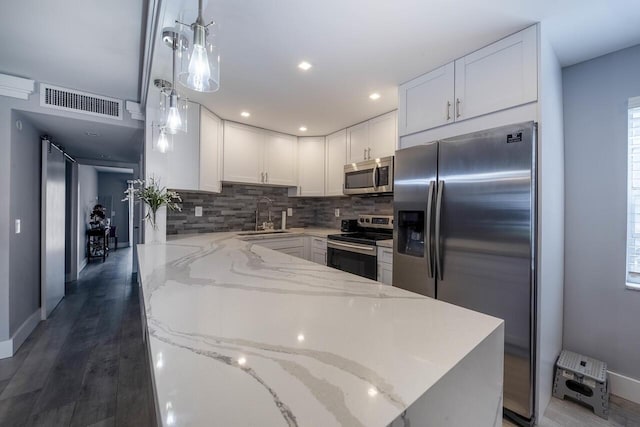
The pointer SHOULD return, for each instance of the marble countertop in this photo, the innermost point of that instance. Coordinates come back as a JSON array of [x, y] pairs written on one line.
[[239, 334]]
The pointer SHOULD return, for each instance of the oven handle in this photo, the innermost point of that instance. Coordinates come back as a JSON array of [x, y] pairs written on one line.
[[347, 246]]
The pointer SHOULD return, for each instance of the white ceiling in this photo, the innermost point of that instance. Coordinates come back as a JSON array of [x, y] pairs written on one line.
[[113, 143], [89, 45], [361, 46]]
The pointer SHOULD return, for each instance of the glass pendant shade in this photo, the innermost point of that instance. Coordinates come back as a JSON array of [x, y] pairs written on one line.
[[163, 141], [201, 69], [173, 112]]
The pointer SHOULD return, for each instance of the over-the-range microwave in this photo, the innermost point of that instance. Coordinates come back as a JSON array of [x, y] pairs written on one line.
[[369, 177]]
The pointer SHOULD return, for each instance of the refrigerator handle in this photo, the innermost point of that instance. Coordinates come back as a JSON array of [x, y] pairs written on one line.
[[437, 236], [427, 240]]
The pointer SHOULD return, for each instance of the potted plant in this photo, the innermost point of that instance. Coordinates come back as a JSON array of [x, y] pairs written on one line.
[[97, 217], [154, 197]]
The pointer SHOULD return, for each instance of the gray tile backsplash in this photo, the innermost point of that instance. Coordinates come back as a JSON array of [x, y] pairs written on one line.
[[234, 209]]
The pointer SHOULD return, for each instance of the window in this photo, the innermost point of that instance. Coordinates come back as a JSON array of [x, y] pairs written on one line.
[[633, 196]]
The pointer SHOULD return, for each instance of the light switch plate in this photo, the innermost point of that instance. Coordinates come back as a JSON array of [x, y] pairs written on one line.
[[198, 210], [289, 211], [336, 212], [17, 226]]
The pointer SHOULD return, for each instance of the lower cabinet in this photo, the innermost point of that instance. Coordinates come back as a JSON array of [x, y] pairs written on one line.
[[318, 250], [385, 265]]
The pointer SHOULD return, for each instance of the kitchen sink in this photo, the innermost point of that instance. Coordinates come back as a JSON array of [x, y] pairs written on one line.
[[257, 233]]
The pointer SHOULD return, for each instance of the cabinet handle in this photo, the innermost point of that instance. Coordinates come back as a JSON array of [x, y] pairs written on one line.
[[365, 154], [266, 177], [261, 176], [457, 107], [448, 110], [369, 154]]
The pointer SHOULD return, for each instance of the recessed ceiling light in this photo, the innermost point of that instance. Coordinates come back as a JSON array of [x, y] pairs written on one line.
[[94, 134], [374, 96], [304, 65], [245, 114], [303, 128]]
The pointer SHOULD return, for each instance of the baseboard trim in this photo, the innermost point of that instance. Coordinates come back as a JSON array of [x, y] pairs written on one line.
[[83, 264], [625, 387], [9, 347]]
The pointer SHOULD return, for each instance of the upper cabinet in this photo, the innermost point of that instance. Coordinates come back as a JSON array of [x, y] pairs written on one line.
[[210, 151], [426, 102], [336, 158], [196, 158], [311, 166], [256, 156], [280, 159], [372, 139], [499, 76]]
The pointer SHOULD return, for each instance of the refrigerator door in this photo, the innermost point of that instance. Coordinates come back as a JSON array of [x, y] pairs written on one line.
[[485, 247], [413, 201]]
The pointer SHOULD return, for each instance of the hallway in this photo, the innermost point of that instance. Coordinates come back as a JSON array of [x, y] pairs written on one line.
[[86, 365]]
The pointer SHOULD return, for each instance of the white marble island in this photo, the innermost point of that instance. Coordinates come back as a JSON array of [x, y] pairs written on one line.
[[240, 335]]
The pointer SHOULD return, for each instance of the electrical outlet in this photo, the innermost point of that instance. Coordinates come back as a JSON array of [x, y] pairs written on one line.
[[198, 210], [289, 211], [336, 212], [17, 226]]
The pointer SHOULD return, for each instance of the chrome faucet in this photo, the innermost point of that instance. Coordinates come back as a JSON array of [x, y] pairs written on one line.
[[268, 225]]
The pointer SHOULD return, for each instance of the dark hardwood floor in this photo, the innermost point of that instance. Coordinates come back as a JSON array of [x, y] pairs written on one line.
[[85, 365]]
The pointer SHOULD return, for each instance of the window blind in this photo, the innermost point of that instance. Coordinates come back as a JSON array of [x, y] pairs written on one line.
[[633, 196]]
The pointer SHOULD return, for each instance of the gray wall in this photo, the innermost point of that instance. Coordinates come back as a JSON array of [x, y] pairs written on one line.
[[601, 316], [234, 209], [114, 185], [87, 199], [24, 202]]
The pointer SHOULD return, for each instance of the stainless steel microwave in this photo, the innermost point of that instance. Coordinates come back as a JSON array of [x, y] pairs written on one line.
[[369, 177]]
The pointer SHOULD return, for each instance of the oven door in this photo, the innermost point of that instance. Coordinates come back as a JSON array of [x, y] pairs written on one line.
[[353, 258], [370, 177]]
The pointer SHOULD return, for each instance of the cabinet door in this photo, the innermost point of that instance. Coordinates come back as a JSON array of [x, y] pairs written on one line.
[[358, 142], [385, 274], [383, 135], [335, 160], [311, 166], [280, 159], [427, 101], [243, 153], [184, 165], [499, 76], [319, 256], [210, 151]]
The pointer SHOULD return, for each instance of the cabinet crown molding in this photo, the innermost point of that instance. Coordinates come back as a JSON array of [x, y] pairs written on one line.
[[16, 87]]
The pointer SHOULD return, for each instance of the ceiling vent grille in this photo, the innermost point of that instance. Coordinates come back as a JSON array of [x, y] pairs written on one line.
[[60, 98]]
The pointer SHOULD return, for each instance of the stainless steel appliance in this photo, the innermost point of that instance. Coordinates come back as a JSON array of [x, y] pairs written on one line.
[[356, 252], [349, 225], [369, 177], [465, 234]]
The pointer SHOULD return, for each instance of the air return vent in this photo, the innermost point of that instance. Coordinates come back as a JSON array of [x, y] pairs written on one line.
[[60, 98]]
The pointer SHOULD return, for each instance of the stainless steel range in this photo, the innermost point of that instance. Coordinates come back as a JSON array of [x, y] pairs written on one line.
[[356, 251]]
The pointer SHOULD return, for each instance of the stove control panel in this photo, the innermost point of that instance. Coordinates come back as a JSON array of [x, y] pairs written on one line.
[[376, 221]]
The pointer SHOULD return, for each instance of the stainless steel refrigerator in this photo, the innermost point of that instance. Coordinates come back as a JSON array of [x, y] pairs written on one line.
[[465, 233]]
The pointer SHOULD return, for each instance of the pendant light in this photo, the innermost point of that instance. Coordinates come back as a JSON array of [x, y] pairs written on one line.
[[173, 107], [203, 72], [164, 142]]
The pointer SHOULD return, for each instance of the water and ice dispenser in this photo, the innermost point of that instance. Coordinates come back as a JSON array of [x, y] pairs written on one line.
[[411, 233]]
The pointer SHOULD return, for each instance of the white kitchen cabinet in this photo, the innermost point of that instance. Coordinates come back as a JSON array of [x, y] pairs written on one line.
[[243, 153], [311, 166], [336, 158], [499, 76], [280, 159], [184, 164], [372, 139], [427, 101], [383, 131], [318, 250], [289, 245], [196, 160], [257, 156], [385, 265], [210, 151], [358, 142]]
